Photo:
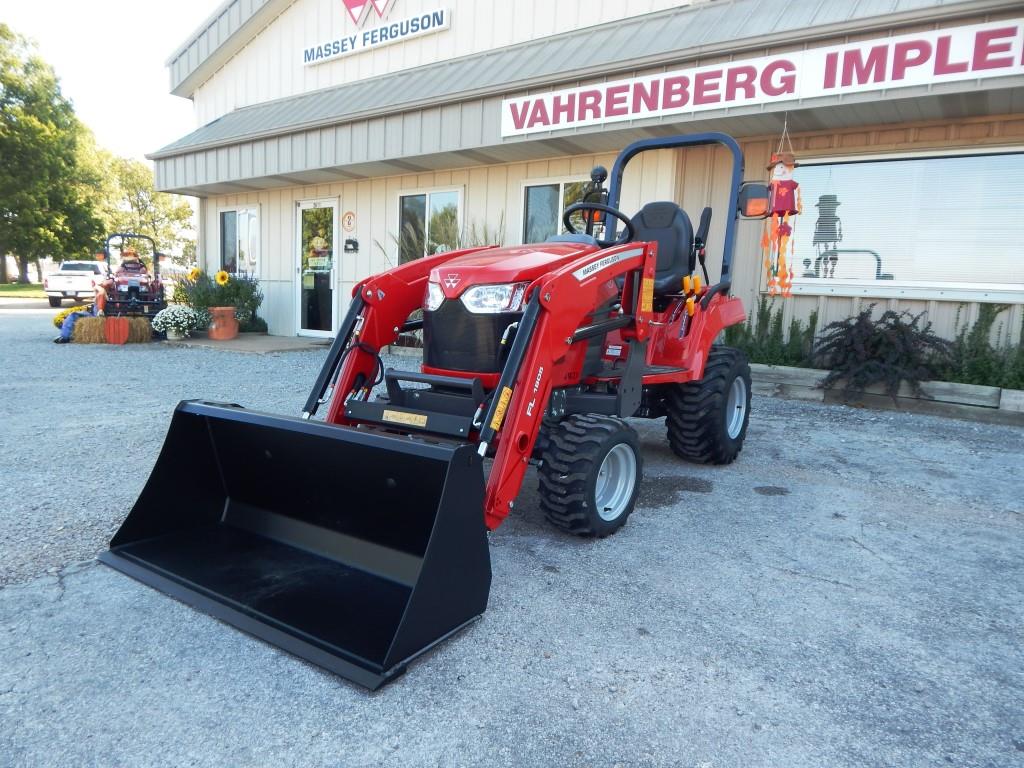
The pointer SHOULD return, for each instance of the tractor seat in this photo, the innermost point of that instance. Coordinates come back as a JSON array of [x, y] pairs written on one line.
[[669, 225]]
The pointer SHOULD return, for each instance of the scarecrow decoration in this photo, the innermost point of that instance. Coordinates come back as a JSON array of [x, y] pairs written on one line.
[[778, 229]]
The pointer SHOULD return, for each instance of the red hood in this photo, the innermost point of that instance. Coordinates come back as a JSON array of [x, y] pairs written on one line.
[[516, 264]]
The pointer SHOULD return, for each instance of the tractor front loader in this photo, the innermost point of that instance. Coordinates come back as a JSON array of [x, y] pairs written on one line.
[[359, 542]]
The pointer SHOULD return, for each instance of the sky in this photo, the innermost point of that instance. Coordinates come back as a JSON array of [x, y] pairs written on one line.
[[109, 56]]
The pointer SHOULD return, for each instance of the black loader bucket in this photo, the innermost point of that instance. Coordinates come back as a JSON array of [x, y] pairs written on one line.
[[354, 550]]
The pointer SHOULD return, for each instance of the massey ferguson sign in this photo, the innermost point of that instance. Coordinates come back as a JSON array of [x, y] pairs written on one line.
[[975, 52], [367, 37]]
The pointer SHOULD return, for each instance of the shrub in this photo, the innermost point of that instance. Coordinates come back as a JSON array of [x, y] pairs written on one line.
[[60, 317], [897, 347], [255, 324], [178, 318], [201, 291], [763, 341], [975, 360]]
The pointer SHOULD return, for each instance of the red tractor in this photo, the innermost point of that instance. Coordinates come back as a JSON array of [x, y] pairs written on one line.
[[131, 289], [358, 542]]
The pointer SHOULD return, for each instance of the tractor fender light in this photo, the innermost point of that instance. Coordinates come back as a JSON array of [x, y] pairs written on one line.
[[492, 299]]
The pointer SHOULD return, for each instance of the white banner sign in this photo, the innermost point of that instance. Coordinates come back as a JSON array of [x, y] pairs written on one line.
[[975, 52], [376, 37]]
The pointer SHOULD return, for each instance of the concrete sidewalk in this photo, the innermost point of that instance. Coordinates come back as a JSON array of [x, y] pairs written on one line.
[[256, 343]]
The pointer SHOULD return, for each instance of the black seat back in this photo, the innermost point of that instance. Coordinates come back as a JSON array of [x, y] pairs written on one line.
[[669, 225]]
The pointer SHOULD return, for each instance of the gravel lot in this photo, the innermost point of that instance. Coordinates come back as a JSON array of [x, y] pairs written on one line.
[[850, 592]]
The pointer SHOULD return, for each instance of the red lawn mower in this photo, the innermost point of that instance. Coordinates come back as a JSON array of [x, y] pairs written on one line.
[[360, 541]]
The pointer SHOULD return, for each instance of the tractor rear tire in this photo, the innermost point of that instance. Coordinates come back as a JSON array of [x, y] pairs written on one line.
[[707, 419], [590, 474]]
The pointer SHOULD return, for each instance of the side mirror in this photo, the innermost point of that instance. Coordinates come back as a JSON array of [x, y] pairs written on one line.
[[754, 200]]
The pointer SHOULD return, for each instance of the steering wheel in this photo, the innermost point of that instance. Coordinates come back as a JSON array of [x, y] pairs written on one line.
[[626, 235]]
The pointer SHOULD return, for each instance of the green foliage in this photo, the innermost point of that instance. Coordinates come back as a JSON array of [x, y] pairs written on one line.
[[178, 318], [763, 340], [45, 189], [243, 292], [974, 359], [60, 194], [254, 324], [21, 291], [862, 351], [132, 204]]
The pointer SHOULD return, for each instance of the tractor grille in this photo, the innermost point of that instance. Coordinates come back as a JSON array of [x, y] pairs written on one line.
[[455, 339]]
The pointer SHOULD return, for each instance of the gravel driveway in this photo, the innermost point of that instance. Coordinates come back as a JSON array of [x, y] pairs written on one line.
[[850, 592]]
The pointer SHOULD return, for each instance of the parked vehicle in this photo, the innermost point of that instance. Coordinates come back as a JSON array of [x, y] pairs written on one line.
[[131, 289], [74, 280], [359, 542]]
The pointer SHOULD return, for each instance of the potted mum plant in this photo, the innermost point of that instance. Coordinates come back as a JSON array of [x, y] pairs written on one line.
[[227, 303], [177, 321]]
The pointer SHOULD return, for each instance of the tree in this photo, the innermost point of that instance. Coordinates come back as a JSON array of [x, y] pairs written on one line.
[[45, 205], [134, 205]]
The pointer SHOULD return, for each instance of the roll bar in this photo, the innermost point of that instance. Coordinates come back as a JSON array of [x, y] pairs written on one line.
[[132, 236], [674, 142]]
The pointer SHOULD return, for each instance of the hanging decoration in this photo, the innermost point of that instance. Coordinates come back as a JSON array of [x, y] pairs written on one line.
[[785, 203]]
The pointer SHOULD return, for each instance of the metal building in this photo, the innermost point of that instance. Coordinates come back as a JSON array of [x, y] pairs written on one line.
[[339, 137]]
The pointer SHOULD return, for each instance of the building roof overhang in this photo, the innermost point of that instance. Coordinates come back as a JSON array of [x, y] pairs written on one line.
[[447, 115]]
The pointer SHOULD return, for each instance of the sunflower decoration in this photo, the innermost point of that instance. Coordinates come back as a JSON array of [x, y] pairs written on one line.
[[222, 278], [194, 274]]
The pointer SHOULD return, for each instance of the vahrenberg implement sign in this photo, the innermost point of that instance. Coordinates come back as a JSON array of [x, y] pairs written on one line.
[[975, 52], [376, 37]]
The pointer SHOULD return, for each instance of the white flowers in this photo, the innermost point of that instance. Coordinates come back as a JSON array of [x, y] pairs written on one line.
[[177, 318]]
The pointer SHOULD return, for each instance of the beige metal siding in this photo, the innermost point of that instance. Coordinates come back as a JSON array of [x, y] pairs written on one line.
[[270, 66], [693, 178]]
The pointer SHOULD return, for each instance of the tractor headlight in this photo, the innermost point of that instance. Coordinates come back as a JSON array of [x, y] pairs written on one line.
[[434, 297], [491, 299]]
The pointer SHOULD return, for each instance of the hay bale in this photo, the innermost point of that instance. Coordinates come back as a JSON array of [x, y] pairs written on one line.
[[90, 330], [140, 330]]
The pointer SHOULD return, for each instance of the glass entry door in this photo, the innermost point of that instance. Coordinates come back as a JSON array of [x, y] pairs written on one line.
[[317, 236]]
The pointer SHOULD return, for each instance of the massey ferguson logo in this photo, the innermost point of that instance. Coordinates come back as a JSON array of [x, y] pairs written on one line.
[[384, 30], [452, 280], [359, 10]]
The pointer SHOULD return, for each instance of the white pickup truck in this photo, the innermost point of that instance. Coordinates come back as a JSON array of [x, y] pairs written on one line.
[[74, 280]]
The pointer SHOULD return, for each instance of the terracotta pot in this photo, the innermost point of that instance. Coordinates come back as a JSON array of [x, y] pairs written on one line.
[[224, 326]]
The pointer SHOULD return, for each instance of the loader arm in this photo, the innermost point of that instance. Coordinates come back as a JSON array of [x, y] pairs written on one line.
[[559, 306], [381, 304]]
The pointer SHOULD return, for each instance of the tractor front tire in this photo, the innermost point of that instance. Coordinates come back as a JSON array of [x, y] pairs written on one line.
[[707, 419], [590, 474]]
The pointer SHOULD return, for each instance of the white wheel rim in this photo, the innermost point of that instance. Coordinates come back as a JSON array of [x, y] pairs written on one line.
[[616, 480], [736, 408]]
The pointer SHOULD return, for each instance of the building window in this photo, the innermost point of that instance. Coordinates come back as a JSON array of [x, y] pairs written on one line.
[[929, 222], [543, 206], [239, 240], [428, 223]]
